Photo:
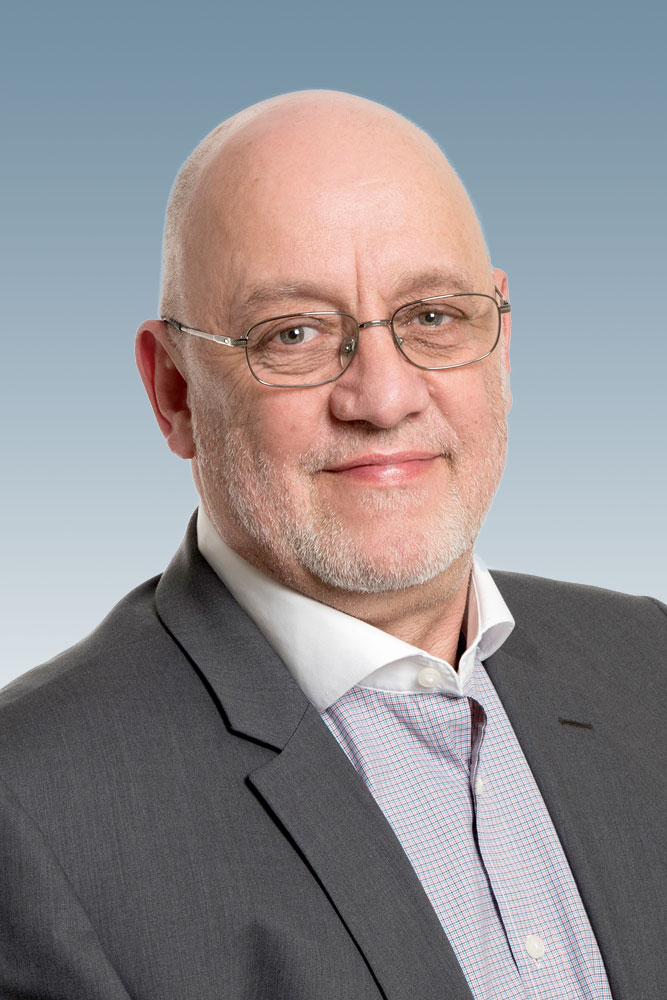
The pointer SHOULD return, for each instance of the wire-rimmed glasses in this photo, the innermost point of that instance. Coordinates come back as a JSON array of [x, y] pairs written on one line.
[[300, 350]]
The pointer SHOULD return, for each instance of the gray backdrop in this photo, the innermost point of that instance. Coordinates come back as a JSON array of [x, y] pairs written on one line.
[[552, 114]]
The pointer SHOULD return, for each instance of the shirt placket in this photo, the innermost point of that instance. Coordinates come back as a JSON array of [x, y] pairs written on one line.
[[509, 879]]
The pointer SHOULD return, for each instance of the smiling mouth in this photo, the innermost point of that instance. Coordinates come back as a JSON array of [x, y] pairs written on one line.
[[395, 469]]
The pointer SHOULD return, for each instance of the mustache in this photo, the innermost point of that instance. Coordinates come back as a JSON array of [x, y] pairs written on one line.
[[347, 443]]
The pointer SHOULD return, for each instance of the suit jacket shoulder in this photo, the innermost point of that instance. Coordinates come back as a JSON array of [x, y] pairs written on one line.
[[622, 633], [536, 596]]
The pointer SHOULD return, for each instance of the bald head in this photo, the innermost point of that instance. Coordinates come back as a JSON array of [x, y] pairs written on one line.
[[317, 154]]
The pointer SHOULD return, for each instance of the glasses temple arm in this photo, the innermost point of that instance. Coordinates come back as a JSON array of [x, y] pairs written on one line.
[[217, 338]]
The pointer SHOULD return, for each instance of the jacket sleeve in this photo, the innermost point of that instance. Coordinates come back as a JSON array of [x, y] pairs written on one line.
[[48, 947]]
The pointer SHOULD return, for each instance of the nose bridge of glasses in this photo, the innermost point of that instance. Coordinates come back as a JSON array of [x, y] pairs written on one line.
[[350, 349], [382, 322], [374, 322]]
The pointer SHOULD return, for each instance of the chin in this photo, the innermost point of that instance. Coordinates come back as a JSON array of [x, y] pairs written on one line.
[[388, 540], [374, 566]]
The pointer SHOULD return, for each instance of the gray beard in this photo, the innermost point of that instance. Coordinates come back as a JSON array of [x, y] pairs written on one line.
[[314, 536], [332, 556]]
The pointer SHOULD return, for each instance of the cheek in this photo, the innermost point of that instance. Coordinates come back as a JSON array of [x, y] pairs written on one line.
[[281, 423], [473, 402], [218, 384]]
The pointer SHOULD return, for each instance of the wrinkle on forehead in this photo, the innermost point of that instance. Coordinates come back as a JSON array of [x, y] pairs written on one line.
[[275, 156]]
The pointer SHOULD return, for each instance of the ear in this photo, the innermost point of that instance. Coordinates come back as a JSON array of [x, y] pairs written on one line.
[[500, 281], [161, 372]]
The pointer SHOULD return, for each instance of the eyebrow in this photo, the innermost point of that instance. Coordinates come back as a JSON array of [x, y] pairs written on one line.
[[407, 285], [287, 290], [436, 280]]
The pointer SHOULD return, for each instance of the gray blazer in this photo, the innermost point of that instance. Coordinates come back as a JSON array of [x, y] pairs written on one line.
[[176, 821]]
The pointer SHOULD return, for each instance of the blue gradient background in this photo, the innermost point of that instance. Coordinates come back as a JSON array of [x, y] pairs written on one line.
[[553, 116]]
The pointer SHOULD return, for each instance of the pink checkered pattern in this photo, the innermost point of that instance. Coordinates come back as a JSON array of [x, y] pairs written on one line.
[[450, 777]]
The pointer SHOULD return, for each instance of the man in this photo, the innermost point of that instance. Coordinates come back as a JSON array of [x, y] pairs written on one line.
[[322, 756]]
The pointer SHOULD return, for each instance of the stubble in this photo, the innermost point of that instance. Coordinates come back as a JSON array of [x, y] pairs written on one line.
[[287, 519]]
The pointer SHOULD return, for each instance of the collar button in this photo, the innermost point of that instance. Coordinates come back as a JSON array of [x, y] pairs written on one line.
[[429, 677]]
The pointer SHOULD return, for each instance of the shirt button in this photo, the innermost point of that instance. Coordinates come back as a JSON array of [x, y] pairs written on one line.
[[429, 677], [480, 786], [535, 946]]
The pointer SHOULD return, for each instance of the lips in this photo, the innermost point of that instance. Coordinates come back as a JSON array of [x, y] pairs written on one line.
[[393, 468], [390, 458]]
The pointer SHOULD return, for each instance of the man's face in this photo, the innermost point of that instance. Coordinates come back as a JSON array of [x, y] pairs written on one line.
[[380, 480]]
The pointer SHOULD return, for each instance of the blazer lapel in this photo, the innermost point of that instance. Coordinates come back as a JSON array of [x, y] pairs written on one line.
[[591, 775], [311, 788]]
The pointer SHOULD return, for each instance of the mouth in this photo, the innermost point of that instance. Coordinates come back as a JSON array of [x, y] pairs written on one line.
[[385, 469]]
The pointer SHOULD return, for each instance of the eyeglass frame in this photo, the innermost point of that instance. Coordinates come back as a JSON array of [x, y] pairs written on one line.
[[503, 308]]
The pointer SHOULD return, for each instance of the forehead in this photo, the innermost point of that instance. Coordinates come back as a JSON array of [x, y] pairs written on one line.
[[336, 206]]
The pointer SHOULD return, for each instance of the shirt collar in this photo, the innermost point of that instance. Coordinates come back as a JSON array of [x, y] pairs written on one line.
[[328, 652]]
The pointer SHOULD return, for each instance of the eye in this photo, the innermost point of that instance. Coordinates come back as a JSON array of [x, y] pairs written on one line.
[[433, 317], [297, 335]]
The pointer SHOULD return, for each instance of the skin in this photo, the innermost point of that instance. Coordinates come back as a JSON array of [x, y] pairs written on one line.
[[389, 464]]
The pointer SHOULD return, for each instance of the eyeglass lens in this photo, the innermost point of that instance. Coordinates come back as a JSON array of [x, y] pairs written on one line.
[[307, 349]]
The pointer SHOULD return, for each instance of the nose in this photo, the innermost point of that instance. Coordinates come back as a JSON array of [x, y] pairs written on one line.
[[380, 387]]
